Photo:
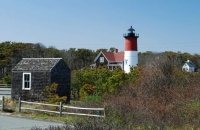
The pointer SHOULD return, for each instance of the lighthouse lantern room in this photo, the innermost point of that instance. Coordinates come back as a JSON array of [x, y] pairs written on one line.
[[130, 52]]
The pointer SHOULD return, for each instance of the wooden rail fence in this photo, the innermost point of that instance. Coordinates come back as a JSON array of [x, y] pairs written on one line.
[[2, 103], [5, 85], [100, 112], [5, 89]]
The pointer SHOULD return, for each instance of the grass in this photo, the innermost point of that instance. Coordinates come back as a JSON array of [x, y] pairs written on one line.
[[11, 108], [46, 116], [81, 120]]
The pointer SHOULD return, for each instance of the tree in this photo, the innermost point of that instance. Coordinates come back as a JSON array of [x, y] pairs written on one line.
[[84, 57], [99, 50], [50, 94], [112, 49], [52, 52], [69, 57], [87, 90], [117, 80]]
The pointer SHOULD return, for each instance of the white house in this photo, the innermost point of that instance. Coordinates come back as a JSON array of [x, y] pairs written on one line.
[[188, 66]]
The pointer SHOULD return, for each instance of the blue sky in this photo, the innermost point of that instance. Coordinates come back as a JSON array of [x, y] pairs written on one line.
[[163, 25]]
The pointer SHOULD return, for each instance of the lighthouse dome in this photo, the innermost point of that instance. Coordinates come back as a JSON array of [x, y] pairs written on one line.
[[131, 32]]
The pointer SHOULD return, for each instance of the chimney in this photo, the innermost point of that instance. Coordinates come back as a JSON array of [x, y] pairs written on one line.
[[116, 50]]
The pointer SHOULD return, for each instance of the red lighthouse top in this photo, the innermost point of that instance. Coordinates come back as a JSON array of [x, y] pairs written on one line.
[[131, 40]]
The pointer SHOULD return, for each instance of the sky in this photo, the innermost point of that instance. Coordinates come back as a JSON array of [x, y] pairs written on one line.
[[162, 25]]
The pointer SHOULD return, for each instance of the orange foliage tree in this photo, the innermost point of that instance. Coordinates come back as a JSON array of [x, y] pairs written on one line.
[[87, 90]]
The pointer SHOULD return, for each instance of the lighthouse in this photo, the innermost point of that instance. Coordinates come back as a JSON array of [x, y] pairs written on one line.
[[130, 52]]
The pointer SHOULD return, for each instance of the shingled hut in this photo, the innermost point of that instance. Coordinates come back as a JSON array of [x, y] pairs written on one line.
[[31, 75]]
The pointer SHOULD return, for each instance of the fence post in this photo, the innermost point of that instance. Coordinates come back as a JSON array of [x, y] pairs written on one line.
[[104, 112], [60, 108], [2, 108], [19, 103]]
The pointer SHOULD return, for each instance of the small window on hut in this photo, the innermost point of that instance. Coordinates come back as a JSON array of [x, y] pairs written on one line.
[[26, 84]]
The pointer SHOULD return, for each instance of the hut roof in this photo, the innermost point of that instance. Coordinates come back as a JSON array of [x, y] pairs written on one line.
[[36, 64]]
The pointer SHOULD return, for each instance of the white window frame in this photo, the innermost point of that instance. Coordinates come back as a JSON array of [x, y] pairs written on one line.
[[29, 81], [101, 59]]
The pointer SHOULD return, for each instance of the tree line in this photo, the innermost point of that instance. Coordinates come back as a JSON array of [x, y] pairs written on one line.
[[155, 93], [12, 52]]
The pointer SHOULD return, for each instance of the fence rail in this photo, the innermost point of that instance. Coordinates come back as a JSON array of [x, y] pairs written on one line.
[[5, 89], [2, 103], [84, 114], [5, 85], [62, 109]]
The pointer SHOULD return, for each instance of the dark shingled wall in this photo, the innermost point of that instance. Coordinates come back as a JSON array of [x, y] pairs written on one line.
[[38, 81], [98, 63], [61, 75]]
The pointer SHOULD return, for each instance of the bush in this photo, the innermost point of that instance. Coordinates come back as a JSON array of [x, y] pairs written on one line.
[[94, 97], [155, 101], [51, 96], [87, 90], [6, 80]]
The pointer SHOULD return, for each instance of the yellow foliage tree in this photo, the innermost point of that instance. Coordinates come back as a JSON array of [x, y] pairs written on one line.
[[51, 96], [87, 90]]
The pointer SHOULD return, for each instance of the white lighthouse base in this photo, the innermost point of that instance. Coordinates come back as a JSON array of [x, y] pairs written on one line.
[[130, 60]]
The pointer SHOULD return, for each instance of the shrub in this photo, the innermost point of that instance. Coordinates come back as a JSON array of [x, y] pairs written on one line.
[[87, 90], [51, 96]]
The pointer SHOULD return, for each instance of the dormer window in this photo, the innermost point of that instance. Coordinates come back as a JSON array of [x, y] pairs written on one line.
[[101, 59]]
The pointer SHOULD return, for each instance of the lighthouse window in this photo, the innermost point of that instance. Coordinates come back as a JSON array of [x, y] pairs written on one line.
[[126, 61], [101, 59]]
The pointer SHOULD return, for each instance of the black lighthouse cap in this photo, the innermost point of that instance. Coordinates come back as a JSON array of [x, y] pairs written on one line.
[[131, 32]]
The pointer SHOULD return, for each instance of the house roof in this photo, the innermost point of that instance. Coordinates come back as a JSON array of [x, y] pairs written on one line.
[[189, 63], [36, 64], [112, 56]]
